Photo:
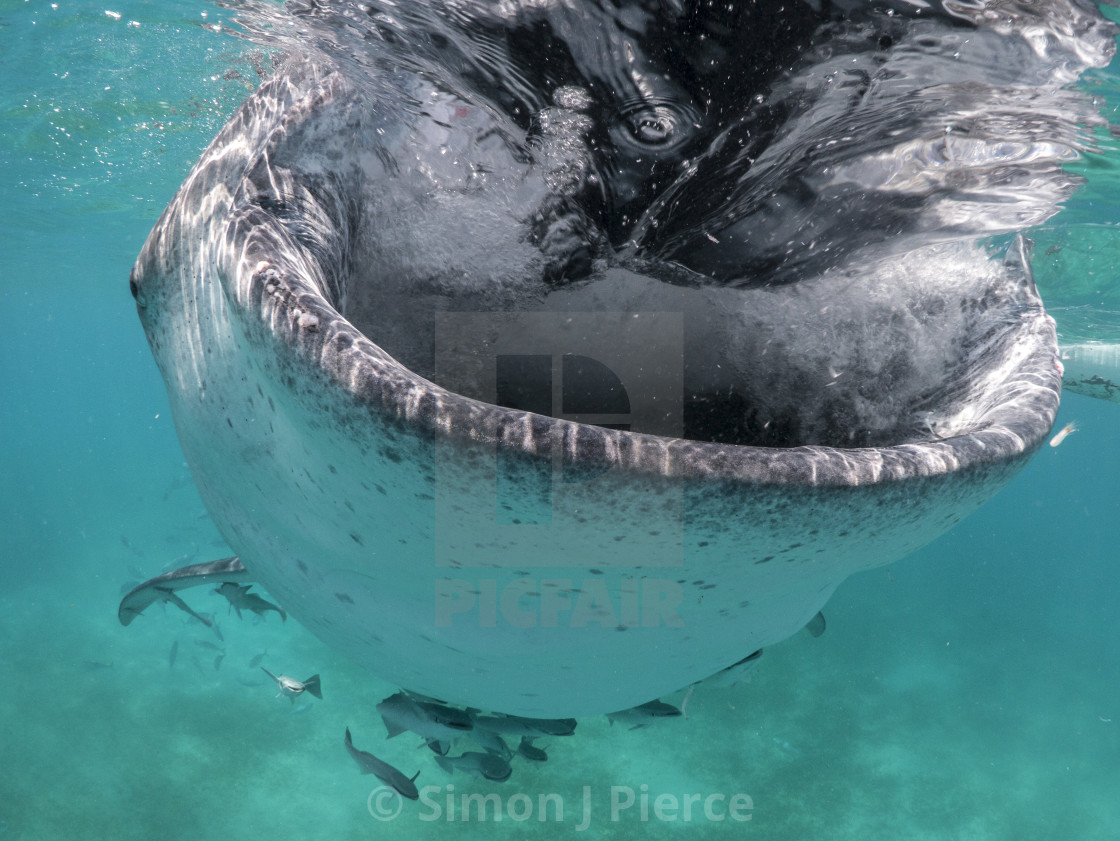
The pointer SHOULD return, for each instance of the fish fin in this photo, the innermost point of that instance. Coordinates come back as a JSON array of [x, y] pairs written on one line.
[[392, 729], [816, 625], [313, 685], [267, 606], [156, 589], [445, 763], [169, 596], [438, 747]]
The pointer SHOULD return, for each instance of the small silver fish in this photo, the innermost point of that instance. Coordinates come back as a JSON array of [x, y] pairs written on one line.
[[293, 688], [1064, 433]]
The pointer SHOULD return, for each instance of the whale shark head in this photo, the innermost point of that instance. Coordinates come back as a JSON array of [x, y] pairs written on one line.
[[553, 383]]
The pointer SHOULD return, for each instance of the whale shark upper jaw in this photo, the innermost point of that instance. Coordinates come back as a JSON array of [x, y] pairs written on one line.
[[389, 364]]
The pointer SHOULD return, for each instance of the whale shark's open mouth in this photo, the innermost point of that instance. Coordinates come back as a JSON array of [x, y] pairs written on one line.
[[916, 348], [540, 327]]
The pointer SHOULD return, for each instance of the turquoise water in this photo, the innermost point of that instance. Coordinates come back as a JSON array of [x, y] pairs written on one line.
[[968, 692]]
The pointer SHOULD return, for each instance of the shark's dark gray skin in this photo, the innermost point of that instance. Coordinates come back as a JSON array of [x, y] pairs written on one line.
[[824, 369], [164, 587], [240, 598], [385, 772]]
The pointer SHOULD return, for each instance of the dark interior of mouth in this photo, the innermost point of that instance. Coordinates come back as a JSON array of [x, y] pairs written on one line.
[[891, 349], [808, 313]]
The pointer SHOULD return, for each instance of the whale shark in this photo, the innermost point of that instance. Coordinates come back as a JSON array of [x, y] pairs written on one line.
[[546, 358]]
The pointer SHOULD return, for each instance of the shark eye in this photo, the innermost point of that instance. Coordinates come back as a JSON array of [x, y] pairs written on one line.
[[137, 292]]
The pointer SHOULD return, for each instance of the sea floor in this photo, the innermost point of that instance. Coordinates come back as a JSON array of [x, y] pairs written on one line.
[[968, 692], [971, 691]]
